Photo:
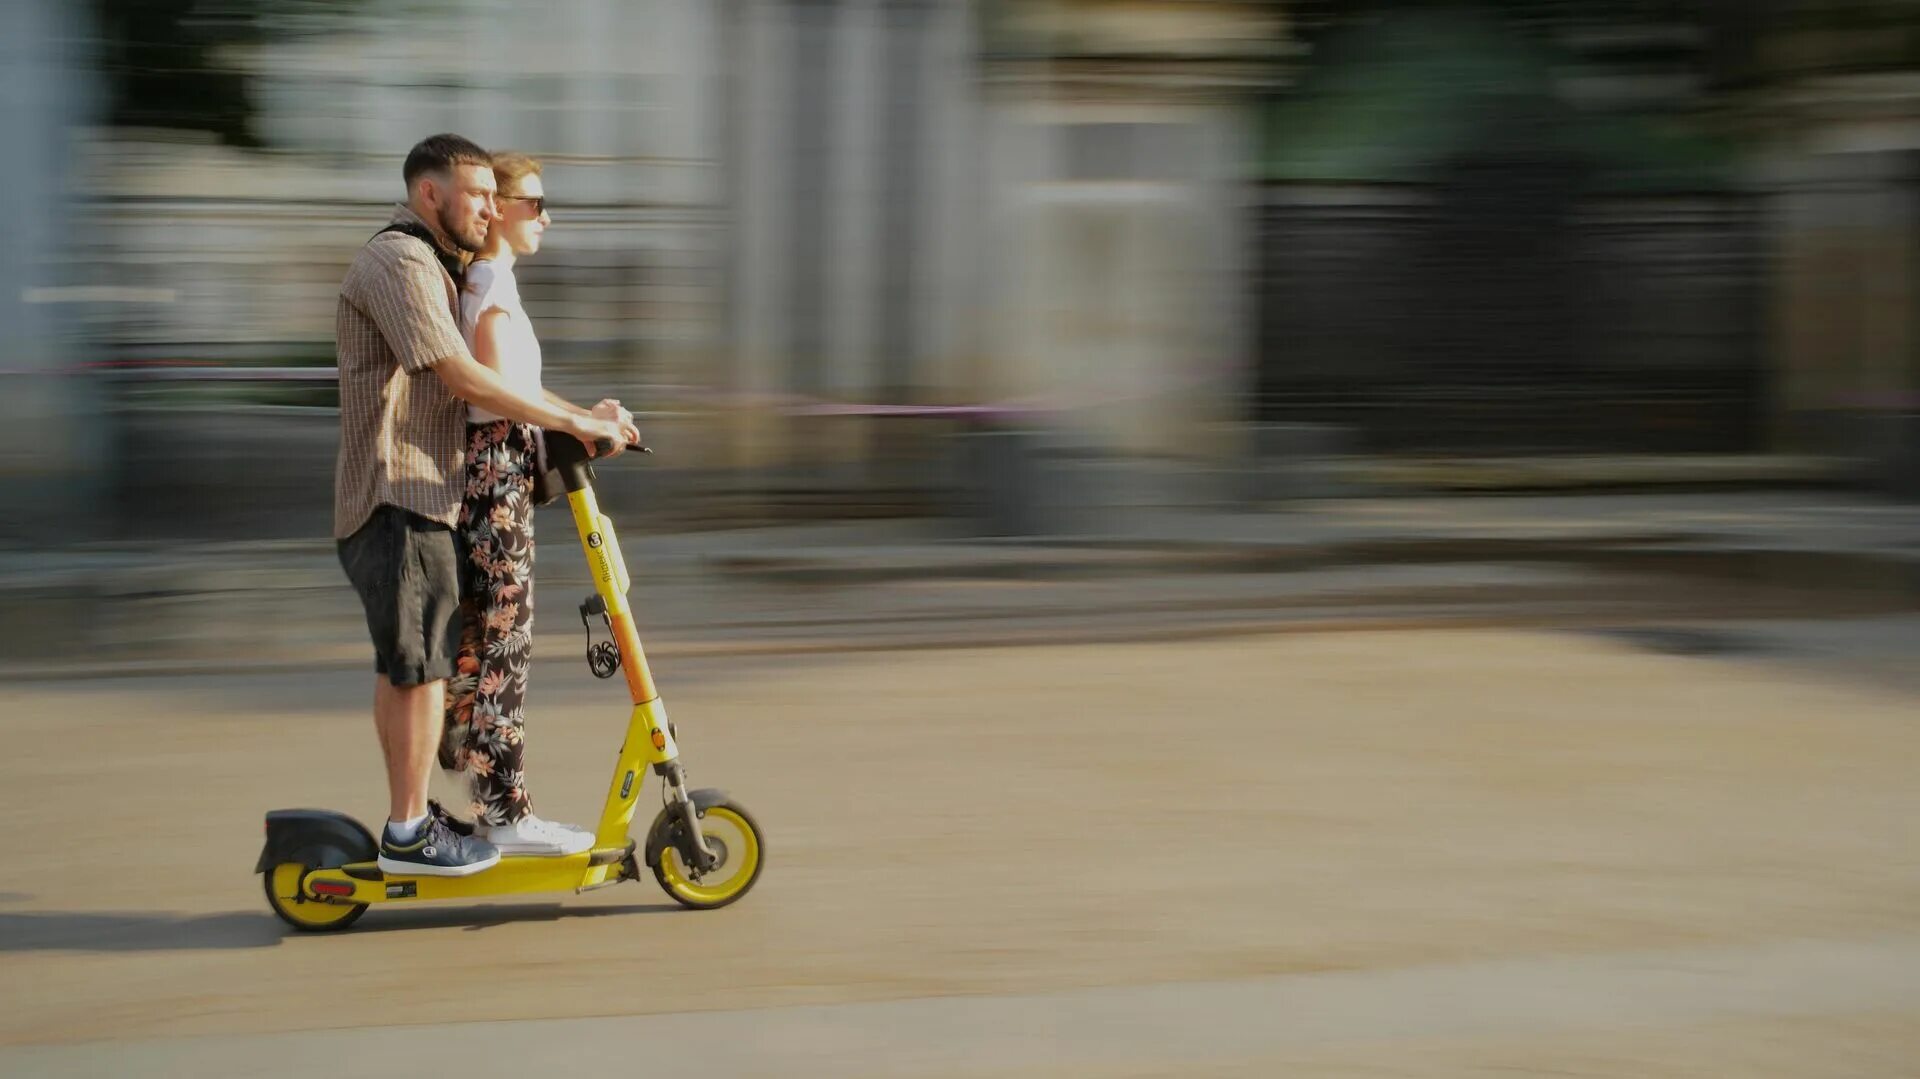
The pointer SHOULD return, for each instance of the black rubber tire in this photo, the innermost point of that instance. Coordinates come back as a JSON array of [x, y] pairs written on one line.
[[658, 861]]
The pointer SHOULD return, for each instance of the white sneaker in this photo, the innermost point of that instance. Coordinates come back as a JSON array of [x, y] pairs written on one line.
[[531, 835]]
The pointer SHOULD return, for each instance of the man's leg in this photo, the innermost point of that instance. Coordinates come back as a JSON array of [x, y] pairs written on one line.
[[408, 720], [379, 726], [406, 573]]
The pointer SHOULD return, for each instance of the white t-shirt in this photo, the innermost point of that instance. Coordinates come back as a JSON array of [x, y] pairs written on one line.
[[488, 286]]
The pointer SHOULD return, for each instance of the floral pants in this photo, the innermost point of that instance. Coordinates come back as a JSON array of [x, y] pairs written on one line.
[[486, 698]]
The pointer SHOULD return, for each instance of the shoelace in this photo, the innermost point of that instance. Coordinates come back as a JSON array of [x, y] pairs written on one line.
[[439, 835]]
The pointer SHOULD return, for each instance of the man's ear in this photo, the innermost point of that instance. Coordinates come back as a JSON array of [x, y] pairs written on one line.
[[429, 191]]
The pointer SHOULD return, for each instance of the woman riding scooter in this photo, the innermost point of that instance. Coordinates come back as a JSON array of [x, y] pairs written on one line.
[[486, 698]]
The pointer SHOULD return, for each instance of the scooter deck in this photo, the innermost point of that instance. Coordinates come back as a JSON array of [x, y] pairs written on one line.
[[516, 874]]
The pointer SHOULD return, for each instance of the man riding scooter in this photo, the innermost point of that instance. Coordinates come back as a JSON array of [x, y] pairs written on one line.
[[406, 379]]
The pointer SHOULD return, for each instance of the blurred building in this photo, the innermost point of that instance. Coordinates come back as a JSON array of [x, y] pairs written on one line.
[[620, 99], [1832, 96], [831, 236], [852, 173], [782, 215], [51, 445], [626, 104], [1119, 137]]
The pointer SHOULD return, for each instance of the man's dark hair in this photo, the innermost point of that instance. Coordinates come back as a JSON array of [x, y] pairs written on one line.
[[440, 153]]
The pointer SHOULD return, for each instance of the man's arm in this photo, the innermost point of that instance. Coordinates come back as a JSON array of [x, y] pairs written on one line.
[[407, 301]]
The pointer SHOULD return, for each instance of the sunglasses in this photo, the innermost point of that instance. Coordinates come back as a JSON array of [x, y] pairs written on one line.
[[539, 202]]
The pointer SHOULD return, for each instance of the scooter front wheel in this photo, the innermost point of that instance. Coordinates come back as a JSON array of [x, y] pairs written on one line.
[[305, 913], [734, 839]]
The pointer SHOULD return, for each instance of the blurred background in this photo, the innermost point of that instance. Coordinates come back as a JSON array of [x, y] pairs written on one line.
[[973, 258], [1218, 538]]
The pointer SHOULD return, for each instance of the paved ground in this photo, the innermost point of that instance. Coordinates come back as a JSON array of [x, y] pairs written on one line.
[[1367, 854]]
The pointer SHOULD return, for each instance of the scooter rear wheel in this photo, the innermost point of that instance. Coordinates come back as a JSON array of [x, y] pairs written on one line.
[[306, 914], [735, 837]]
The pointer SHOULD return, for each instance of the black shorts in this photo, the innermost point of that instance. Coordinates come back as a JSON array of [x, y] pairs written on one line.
[[406, 569]]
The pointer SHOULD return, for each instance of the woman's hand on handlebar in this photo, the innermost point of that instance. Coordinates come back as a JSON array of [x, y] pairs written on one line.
[[592, 429], [609, 409]]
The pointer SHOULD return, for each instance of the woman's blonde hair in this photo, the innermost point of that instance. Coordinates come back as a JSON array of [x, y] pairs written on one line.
[[510, 167]]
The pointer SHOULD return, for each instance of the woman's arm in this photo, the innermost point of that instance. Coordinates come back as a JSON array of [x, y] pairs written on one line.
[[607, 409], [560, 402], [480, 384], [486, 348], [487, 331], [486, 336], [477, 384]]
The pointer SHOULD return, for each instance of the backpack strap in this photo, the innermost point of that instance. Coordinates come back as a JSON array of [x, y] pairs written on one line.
[[455, 269]]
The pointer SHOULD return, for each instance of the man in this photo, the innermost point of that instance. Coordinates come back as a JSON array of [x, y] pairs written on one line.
[[406, 378]]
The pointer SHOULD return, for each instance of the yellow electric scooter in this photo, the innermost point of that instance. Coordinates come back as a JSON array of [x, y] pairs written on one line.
[[703, 848]]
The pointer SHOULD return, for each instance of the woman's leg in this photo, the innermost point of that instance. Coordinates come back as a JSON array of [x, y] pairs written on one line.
[[499, 533], [456, 734]]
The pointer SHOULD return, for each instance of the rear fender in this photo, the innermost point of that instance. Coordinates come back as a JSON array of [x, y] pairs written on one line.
[[304, 835]]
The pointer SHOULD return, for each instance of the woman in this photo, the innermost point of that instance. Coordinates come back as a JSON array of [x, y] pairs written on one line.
[[486, 698]]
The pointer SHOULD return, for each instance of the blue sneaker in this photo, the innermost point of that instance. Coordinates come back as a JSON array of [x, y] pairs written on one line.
[[438, 851]]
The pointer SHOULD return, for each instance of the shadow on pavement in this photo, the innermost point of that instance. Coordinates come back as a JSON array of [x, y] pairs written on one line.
[[130, 931]]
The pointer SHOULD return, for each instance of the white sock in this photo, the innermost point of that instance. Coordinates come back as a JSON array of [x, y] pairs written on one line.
[[405, 829]]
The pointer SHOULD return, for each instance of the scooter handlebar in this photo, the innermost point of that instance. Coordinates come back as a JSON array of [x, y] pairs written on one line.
[[604, 446], [567, 455]]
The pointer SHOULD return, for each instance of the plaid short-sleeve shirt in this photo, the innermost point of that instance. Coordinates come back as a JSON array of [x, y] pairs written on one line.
[[402, 433]]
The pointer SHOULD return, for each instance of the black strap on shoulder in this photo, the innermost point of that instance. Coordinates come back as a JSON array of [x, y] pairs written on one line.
[[420, 232]]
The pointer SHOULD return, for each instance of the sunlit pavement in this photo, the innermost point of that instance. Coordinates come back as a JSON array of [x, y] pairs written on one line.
[[1413, 853]]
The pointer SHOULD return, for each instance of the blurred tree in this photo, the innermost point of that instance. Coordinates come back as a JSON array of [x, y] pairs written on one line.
[[1825, 37], [170, 64], [1730, 45], [1314, 20]]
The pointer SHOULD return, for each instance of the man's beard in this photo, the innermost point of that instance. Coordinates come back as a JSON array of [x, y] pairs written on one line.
[[471, 247]]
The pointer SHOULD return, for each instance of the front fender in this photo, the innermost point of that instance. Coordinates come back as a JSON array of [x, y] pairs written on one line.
[[668, 829]]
